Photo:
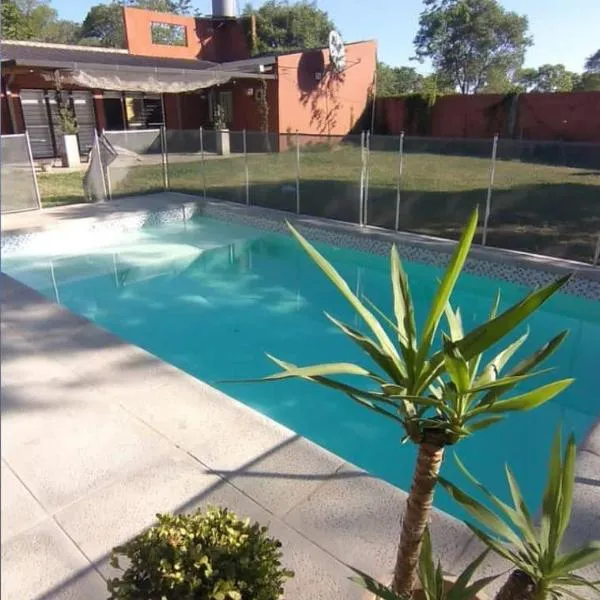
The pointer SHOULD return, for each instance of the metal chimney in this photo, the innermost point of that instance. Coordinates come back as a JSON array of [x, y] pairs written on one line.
[[224, 9]]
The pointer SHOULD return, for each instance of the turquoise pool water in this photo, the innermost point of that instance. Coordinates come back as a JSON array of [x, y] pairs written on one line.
[[211, 298]]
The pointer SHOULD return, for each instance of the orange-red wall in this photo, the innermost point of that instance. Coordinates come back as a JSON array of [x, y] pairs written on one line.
[[331, 105], [207, 39], [573, 116]]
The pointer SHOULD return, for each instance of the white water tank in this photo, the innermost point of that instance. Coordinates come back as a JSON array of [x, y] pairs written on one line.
[[224, 8]]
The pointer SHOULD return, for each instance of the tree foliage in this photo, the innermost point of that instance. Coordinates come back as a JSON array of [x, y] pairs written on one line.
[[283, 26], [547, 78], [592, 63], [468, 40], [395, 81], [14, 24]]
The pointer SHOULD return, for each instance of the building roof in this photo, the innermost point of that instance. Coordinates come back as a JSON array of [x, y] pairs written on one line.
[[34, 54]]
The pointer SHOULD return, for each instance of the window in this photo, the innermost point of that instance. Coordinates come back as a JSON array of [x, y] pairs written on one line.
[[168, 34], [143, 111], [225, 99]]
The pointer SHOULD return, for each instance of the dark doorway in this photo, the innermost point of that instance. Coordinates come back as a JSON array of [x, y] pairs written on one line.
[[113, 114]]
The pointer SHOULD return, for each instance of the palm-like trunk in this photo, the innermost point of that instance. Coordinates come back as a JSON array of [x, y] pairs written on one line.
[[416, 517], [519, 586]]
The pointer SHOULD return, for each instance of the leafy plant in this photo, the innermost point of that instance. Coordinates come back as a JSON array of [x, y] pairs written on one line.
[[211, 556], [68, 121], [219, 118], [438, 396], [544, 571], [431, 576]]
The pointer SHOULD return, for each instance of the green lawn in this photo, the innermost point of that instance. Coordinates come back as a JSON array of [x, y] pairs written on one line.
[[535, 207]]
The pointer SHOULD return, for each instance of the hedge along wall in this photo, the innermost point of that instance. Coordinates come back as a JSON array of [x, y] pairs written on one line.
[[571, 116]]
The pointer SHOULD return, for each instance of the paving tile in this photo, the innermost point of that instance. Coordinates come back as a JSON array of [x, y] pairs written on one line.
[[591, 443], [110, 516], [43, 564], [357, 517], [266, 460], [19, 510], [69, 449]]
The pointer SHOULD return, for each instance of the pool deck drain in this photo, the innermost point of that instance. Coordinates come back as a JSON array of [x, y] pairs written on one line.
[[98, 436]]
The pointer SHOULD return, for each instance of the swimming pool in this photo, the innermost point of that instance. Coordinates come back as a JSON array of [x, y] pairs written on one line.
[[211, 297]]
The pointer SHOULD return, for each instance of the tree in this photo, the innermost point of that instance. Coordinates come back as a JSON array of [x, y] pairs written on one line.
[[592, 63], [547, 78], [588, 82], [437, 396], [14, 24], [467, 40], [103, 26], [395, 81], [284, 27]]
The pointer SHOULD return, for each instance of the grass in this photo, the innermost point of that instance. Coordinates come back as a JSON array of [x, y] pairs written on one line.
[[535, 207]]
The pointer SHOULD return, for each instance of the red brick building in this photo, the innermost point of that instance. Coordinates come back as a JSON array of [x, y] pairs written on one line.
[[173, 72]]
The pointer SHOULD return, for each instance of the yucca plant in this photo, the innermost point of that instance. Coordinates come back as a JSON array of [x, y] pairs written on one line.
[[431, 577], [543, 571], [438, 396]]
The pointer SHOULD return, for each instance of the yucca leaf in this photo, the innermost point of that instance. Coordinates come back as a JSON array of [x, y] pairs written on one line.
[[493, 369], [487, 334], [457, 368], [529, 363], [319, 370], [472, 590], [525, 524], [373, 586], [344, 288], [476, 360], [463, 579], [551, 499], [499, 548], [525, 401], [568, 479], [577, 559], [504, 383], [454, 322], [403, 307], [571, 593], [390, 364], [378, 409], [426, 566], [479, 425], [446, 286], [481, 513]]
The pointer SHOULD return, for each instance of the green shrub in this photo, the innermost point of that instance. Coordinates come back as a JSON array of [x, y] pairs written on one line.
[[202, 556]]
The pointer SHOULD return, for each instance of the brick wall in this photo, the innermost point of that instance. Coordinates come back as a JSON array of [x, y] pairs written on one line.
[[573, 116]]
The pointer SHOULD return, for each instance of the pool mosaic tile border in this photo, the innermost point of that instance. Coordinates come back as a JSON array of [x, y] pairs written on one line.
[[271, 220], [512, 273]]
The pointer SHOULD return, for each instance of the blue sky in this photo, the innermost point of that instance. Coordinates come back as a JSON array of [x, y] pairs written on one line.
[[564, 31]]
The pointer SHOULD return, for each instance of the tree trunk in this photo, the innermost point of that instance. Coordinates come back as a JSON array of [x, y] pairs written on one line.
[[416, 516], [519, 586]]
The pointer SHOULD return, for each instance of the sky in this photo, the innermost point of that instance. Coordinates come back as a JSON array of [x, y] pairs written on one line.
[[564, 31]]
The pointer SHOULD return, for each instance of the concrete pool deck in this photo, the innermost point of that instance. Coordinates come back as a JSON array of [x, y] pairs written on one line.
[[98, 436]]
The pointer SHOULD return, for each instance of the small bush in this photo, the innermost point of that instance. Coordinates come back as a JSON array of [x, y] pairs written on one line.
[[203, 556]]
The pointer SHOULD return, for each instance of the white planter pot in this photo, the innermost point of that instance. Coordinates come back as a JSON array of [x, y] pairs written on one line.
[[223, 142], [70, 157]]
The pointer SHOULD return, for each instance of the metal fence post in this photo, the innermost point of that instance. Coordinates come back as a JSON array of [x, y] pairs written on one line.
[[488, 200], [367, 174], [33, 173], [165, 164], [246, 173], [297, 173], [99, 153], [399, 182], [108, 181], [362, 179], [202, 163], [597, 252]]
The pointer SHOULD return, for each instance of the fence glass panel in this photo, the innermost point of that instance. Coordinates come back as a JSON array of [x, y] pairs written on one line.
[[136, 165], [330, 176], [272, 168], [546, 198], [19, 186], [382, 181], [223, 166], [184, 160], [442, 181]]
